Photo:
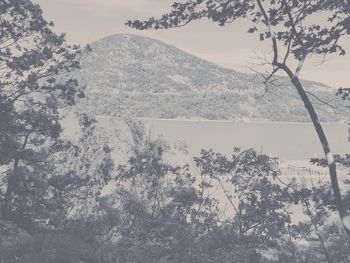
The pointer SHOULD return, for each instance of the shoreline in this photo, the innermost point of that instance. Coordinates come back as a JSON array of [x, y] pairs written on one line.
[[236, 121]]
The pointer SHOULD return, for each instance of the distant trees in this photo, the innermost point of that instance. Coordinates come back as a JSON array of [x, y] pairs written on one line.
[[208, 105], [288, 25], [33, 60]]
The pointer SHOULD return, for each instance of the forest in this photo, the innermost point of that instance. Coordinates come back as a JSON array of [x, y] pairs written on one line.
[[87, 199]]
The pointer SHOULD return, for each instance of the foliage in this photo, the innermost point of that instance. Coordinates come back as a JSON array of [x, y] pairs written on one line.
[[208, 105], [161, 211], [220, 209], [82, 170], [288, 17], [166, 214], [33, 60], [344, 93], [51, 248], [288, 25]]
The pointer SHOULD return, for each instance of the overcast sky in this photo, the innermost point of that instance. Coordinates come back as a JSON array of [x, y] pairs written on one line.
[[85, 21]]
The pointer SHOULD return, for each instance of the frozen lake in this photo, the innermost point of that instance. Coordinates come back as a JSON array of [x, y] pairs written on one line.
[[288, 141]]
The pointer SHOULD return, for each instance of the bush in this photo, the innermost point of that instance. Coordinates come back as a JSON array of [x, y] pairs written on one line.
[[50, 248]]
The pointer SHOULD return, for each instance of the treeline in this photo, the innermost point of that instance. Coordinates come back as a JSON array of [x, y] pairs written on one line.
[[272, 106]]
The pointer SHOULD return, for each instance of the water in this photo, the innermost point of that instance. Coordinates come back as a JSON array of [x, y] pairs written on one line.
[[288, 141], [293, 142]]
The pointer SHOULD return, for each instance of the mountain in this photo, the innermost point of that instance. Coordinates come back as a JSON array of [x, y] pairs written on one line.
[[143, 77]]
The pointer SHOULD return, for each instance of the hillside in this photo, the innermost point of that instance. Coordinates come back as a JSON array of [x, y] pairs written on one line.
[[143, 77]]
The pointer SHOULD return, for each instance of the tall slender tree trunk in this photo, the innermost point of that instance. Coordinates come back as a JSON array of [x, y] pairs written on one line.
[[325, 145], [5, 209]]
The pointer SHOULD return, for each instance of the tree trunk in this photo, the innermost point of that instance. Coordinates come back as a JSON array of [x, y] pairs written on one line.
[[325, 145], [5, 209]]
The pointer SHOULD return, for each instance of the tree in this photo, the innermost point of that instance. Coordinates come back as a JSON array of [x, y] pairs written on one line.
[[82, 170], [162, 213], [258, 201], [33, 61], [63, 209], [286, 23]]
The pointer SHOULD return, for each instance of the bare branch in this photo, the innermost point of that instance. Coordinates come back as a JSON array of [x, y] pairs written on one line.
[[321, 100]]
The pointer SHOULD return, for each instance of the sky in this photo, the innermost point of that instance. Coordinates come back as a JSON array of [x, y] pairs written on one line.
[[85, 21]]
